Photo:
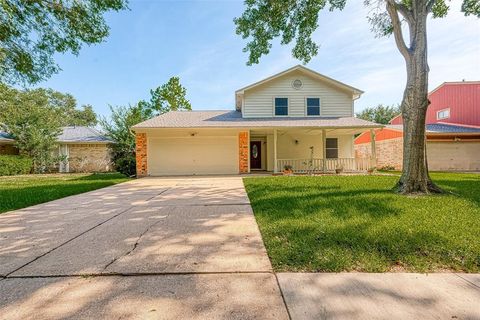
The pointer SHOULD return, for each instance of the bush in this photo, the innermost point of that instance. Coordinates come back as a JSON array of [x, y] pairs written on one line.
[[12, 165], [387, 168], [125, 164]]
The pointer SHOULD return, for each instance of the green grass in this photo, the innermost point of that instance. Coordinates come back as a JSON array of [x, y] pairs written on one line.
[[22, 191], [356, 223]]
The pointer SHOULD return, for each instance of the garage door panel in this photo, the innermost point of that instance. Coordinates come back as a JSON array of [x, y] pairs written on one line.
[[192, 155]]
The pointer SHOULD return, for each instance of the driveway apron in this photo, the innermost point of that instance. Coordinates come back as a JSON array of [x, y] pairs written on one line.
[[160, 248]]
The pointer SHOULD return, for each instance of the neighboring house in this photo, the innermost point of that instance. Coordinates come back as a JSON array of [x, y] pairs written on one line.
[[6, 144], [86, 149], [297, 117], [453, 131]]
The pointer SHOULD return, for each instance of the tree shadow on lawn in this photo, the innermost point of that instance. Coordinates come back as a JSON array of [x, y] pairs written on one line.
[[362, 247], [373, 229], [468, 188], [282, 202]]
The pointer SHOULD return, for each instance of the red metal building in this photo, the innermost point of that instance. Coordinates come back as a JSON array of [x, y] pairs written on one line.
[[454, 103], [452, 128]]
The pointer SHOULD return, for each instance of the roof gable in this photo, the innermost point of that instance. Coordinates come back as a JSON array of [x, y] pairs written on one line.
[[309, 72], [454, 83]]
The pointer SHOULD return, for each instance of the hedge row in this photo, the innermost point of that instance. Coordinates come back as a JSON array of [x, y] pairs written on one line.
[[12, 165]]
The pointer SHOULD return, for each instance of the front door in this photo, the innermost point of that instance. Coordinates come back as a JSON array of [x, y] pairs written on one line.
[[255, 155]]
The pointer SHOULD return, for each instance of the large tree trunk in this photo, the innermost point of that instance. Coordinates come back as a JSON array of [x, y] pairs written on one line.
[[415, 177]]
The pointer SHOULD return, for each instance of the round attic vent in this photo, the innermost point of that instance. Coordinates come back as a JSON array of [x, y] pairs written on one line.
[[297, 84]]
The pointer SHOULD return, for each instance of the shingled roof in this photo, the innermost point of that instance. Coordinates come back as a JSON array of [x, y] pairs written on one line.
[[5, 137], [74, 134], [82, 134], [439, 128], [233, 119]]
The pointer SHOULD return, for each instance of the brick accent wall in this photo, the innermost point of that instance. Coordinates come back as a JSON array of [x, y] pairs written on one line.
[[8, 149], [89, 158], [141, 154], [243, 154], [389, 152]]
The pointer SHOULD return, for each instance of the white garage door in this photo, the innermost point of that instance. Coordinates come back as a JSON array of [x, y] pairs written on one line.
[[453, 155], [192, 155]]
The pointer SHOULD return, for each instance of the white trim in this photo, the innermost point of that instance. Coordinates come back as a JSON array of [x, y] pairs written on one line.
[[274, 107], [319, 106], [64, 150], [275, 158], [443, 110]]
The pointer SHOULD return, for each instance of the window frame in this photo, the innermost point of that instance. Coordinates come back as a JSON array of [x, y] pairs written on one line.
[[443, 110], [337, 148], [319, 106], [275, 107]]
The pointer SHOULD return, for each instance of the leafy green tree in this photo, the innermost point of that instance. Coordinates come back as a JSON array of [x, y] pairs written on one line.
[[35, 119], [84, 117], [118, 128], [171, 96], [379, 114], [295, 21], [31, 32], [33, 123], [67, 105]]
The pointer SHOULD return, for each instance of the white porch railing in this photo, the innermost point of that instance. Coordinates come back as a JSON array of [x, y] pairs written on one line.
[[317, 165]]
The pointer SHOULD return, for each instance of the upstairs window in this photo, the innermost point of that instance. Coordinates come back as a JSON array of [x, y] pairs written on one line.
[[443, 114], [313, 106], [332, 148], [281, 106]]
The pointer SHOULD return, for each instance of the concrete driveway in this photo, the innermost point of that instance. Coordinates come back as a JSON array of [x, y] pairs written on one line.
[[159, 248], [189, 248]]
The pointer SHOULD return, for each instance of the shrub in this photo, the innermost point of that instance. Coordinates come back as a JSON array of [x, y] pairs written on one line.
[[12, 165], [387, 168], [125, 164]]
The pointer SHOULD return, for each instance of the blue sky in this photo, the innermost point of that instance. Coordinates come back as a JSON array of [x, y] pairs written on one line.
[[196, 40]]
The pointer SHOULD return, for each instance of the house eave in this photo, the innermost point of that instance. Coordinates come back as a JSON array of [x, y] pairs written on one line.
[[263, 127]]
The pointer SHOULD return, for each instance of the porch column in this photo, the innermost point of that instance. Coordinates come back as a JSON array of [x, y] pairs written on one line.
[[373, 148], [324, 150], [275, 165]]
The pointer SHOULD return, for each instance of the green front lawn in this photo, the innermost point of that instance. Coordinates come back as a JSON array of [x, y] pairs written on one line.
[[22, 191], [356, 223]]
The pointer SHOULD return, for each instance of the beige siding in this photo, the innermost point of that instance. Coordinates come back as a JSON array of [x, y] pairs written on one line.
[[453, 156], [258, 101], [289, 149]]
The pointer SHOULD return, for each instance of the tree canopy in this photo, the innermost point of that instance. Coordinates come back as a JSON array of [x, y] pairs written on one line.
[[35, 119], [295, 21], [379, 114], [170, 96], [31, 32]]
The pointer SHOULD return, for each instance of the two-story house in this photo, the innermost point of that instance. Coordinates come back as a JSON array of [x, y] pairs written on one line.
[[452, 128], [297, 118]]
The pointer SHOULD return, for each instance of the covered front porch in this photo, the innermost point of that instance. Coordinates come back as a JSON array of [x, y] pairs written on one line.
[[307, 150]]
